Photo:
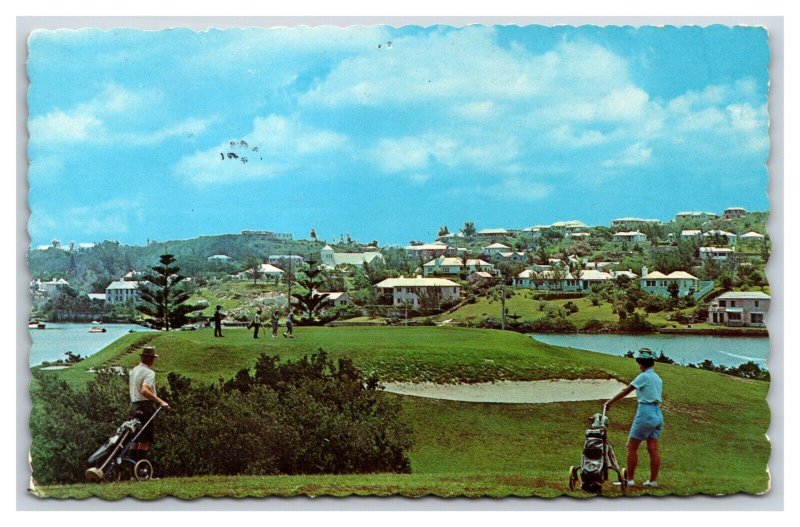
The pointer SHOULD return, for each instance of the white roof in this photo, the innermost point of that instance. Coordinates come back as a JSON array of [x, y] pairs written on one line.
[[482, 274], [497, 246], [644, 220], [122, 284], [334, 296], [492, 231], [681, 275], [655, 274], [569, 223], [355, 258], [526, 229], [428, 247], [591, 274], [451, 260], [327, 248], [85, 245], [219, 257], [96, 296], [629, 274], [579, 234], [628, 233], [744, 295], [696, 213], [715, 250], [690, 232], [751, 234], [416, 282], [735, 208], [546, 275], [719, 232]]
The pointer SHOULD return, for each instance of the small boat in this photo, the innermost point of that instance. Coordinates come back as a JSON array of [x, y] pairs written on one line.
[[35, 324], [97, 330]]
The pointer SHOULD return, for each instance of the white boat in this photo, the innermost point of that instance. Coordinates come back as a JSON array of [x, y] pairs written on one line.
[[97, 330]]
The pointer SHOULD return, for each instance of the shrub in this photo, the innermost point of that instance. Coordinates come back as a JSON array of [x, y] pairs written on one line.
[[303, 417], [553, 324], [636, 323]]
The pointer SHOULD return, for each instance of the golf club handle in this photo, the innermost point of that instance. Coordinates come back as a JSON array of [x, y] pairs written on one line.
[[604, 409]]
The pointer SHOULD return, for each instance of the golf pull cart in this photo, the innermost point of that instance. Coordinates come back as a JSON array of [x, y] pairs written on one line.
[[596, 459], [113, 458]]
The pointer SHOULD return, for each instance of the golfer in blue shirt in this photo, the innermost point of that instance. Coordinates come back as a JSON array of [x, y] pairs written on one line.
[[648, 422]]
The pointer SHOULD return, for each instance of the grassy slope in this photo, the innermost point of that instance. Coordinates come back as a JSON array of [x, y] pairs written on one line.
[[713, 441], [525, 305]]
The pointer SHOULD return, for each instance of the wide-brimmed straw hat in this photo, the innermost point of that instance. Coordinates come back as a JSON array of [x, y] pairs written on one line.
[[148, 351]]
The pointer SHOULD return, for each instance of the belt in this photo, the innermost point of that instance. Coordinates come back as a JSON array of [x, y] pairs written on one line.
[[651, 404]]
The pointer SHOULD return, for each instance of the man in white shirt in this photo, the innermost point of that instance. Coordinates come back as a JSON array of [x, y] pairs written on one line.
[[144, 400]]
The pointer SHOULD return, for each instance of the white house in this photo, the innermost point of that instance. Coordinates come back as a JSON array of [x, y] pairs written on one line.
[[430, 250], [495, 248], [751, 237], [219, 258], [534, 231], [52, 288], [570, 225], [630, 236], [690, 233], [725, 234], [265, 270], [96, 296], [695, 215], [409, 289], [331, 258], [450, 265], [733, 212], [739, 308], [634, 222], [335, 299], [122, 291], [658, 283], [551, 280], [511, 256], [717, 253], [494, 233], [577, 235]]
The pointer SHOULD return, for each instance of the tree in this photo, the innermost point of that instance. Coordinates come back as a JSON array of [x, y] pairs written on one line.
[[469, 229], [443, 231], [253, 266], [311, 301], [542, 255], [164, 300], [673, 289]]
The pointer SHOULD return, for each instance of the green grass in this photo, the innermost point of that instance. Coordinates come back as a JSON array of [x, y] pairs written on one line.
[[713, 442], [526, 305]]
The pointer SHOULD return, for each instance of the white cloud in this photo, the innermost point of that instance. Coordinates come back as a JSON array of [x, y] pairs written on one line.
[[106, 118], [283, 145], [636, 154], [510, 189], [105, 218]]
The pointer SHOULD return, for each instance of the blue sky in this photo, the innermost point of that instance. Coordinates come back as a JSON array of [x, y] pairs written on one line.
[[388, 133]]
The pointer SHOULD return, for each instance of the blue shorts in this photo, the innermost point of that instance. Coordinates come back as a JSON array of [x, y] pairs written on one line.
[[648, 422]]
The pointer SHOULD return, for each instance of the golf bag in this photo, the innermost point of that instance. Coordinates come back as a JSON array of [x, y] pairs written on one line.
[[597, 458], [594, 470], [119, 439], [112, 458]]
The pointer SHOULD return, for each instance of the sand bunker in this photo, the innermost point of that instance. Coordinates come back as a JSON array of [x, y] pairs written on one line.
[[551, 391]]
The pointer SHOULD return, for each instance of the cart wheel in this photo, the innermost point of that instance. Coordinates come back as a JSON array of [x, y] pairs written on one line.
[[623, 481], [143, 470], [573, 477], [112, 473]]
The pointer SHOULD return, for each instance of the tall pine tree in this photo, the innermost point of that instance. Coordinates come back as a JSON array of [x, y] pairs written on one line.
[[311, 301], [164, 299]]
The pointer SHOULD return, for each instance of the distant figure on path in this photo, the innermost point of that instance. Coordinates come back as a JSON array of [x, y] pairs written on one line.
[[276, 317], [218, 316], [289, 325], [256, 323], [649, 421]]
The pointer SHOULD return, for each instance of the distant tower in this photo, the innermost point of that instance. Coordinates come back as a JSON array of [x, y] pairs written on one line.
[[326, 254]]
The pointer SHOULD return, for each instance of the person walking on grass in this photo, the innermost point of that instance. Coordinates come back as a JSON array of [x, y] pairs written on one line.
[[218, 316], [648, 422], [256, 323], [289, 325], [144, 400], [276, 317]]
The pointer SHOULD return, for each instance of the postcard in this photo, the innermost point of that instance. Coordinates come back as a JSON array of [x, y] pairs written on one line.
[[473, 261]]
